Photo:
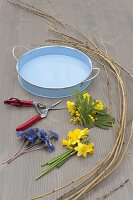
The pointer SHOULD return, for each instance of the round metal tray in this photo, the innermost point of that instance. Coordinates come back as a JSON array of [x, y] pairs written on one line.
[[54, 71]]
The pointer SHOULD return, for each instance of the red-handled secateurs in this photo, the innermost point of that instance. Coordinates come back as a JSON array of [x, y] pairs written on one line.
[[41, 109]]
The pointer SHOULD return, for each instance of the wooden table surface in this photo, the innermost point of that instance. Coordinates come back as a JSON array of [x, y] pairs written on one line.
[[112, 24]]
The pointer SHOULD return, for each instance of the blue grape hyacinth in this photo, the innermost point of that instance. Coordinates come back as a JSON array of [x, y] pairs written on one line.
[[34, 139], [54, 134]]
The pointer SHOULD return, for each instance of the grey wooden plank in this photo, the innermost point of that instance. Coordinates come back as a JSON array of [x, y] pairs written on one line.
[[111, 22]]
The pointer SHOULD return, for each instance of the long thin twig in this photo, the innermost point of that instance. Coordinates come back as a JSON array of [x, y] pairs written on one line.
[[112, 191]]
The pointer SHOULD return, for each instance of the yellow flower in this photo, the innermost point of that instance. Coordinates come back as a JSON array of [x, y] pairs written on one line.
[[65, 142], [74, 137], [77, 134], [99, 105], [71, 107], [91, 118], [83, 149], [84, 132], [74, 120], [93, 112], [70, 142], [77, 113], [86, 95]]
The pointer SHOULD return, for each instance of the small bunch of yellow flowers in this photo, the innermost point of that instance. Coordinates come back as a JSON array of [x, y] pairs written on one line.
[[89, 112], [78, 140]]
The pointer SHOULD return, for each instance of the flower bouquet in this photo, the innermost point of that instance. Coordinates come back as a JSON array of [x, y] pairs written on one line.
[[89, 112], [33, 140], [77, 143]]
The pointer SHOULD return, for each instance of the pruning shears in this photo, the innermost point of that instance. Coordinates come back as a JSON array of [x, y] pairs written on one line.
[[42, 110]]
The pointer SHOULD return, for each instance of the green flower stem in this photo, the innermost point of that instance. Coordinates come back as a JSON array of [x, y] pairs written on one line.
[[57, 162], [59, 157], [56, 158], [47, 170], [63, 161]]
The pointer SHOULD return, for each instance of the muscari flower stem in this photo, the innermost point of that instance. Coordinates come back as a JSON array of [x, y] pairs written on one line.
[[33, 149], [12, 159], [21, 153], [24, 150], [16, 154]]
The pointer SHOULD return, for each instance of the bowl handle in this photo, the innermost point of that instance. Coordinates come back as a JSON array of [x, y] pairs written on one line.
[[98, 70], [13, 51]]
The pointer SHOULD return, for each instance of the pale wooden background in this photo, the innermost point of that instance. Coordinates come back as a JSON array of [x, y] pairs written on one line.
[[112, 24]]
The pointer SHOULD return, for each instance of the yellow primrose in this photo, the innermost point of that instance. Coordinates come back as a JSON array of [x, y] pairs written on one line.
[[91, 118], [74, 120], [93, 112], [86, 95], [83, 149], [71, 120], [71, 107], [99, 105], [77, 113], [92, 103]]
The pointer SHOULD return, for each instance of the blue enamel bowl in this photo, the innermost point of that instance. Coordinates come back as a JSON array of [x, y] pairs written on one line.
[[54, 71]]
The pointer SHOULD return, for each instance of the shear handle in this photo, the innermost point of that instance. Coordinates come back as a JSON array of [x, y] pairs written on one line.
[[30, 122], [19, 103]]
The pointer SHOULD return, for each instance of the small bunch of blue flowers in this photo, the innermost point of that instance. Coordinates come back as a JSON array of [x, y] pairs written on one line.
[[33, 140]]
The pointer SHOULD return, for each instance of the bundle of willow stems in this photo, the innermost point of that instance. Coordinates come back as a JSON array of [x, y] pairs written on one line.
[[115, 156]]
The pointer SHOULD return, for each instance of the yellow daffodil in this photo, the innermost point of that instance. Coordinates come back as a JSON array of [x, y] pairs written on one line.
[[84, 132], [83, 149], [99, 105], [71, 107], [77, 133], [74, 137], [65, 142]]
